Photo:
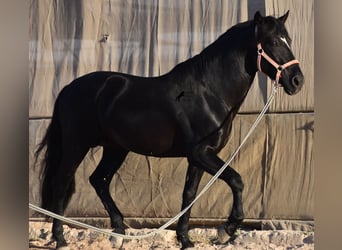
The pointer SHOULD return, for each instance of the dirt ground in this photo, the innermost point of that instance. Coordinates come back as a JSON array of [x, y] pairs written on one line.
[[81, 239]]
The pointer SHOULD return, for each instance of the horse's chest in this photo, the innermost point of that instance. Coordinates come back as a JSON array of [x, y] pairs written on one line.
[[216, 136], [212, 123]]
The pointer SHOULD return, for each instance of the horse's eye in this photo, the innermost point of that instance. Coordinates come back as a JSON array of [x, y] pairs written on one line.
[[275, 42]]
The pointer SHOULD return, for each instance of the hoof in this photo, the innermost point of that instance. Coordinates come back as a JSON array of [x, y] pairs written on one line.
[[186, 243], [117, 242], [225, 235], [63, 248], [62, 245], [222, 235]]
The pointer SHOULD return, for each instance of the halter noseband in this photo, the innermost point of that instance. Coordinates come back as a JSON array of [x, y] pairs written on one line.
[[279, 68]]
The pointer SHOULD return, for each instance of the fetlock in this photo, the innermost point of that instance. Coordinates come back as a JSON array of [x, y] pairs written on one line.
[[118, 226], [232, 225], [183, 238], [227, 231]]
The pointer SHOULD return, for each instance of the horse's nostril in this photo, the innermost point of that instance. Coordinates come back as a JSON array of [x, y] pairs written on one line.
[[297, 81]]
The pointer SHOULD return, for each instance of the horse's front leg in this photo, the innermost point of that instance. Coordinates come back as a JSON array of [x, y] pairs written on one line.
[[211, 163], [193, 178]]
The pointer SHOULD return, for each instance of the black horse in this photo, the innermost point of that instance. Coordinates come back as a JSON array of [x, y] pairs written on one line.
[[187, 112]]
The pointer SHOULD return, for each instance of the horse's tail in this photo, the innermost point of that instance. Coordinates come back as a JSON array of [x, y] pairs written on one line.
[[52, 142]]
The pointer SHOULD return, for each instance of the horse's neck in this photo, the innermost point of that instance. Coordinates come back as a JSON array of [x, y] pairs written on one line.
[[226, 67], [233, 69]]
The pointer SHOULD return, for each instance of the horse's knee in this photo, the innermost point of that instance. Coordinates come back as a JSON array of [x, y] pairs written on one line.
[[237, 183], [234, 180]]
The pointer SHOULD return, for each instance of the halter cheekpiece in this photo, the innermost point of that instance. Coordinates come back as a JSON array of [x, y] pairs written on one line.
[[279, 68]]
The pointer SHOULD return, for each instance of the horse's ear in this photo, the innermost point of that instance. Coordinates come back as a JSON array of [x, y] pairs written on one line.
[[284, 17], [258, 17]]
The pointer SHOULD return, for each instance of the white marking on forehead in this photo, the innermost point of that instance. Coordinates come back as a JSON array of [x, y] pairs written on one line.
[[284, 40]]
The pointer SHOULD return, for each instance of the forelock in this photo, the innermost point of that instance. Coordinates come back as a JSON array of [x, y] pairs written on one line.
[[274, 27]]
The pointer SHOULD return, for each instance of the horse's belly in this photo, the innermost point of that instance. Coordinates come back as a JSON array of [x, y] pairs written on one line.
[[149, 133]]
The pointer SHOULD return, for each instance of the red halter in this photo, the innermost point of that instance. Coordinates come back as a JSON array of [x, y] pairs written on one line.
[[280, 68]]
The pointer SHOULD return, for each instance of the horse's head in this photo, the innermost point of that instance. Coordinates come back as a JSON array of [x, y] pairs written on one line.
[[275, 57]]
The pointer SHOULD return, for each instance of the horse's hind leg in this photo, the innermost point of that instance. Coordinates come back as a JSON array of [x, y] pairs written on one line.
[[100, 180], [64, 187]]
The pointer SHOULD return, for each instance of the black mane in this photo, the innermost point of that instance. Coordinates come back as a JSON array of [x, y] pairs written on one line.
[[230, 41]]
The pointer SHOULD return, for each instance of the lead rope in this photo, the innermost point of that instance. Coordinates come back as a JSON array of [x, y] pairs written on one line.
[[174, 219]]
